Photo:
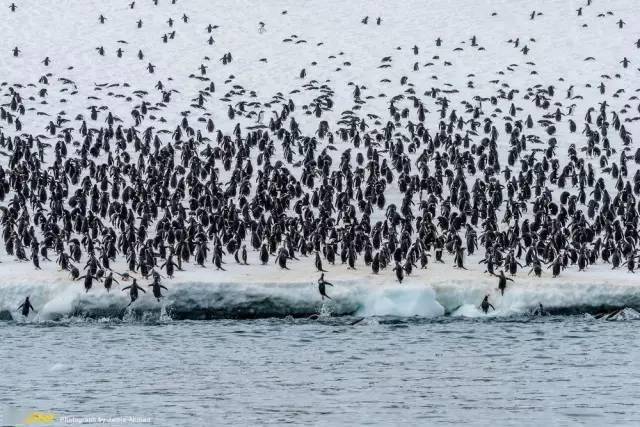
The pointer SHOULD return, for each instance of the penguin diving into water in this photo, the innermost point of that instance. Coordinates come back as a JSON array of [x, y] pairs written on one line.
[[502, 281], [322, 287], [133, 291], [486, 304]]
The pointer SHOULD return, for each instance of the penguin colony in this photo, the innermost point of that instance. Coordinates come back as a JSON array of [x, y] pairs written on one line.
[[102, 188]]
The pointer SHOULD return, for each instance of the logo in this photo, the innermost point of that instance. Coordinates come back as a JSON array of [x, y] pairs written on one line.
[[39, 418], [25, 417]]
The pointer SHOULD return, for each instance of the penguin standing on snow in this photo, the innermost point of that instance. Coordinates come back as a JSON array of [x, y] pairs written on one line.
[[243, 255], [399, 272], [319, 263]]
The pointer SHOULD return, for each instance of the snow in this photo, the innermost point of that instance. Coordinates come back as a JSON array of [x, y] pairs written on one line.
[[68, 32], [264, 291]]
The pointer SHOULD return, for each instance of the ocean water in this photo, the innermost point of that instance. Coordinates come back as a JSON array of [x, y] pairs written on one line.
[[554, 370]]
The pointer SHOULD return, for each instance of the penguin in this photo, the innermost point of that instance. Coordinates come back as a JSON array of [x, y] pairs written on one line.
[[459, 258], [630, 263], [318, 263], [108, 282], [264, 254], [399, 272], [243, 255], [502, 281], [537, 269], [282, 257], [88, 281], [556, 266], [539, 311], [133, 291], [25, 307], [375, 264], [486, 304], [322, 287], [217, 261], [157, 289], [169, 265]]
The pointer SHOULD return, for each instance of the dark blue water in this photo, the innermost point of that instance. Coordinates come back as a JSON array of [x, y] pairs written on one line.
[[526, 371]]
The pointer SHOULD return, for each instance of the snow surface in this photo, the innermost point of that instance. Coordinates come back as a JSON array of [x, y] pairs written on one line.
[[346, 52]]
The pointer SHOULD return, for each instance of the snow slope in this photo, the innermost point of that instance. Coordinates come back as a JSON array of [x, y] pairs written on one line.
[[263, 291]]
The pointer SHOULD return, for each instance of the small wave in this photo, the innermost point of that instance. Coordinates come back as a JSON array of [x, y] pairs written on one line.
[[623, 314], [206, 301]]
